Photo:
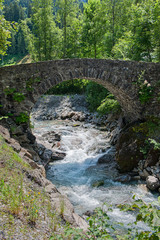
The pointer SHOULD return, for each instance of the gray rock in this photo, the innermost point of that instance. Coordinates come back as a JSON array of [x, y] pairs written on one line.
[[106, 158], [98, 183], [123, 178], [47, 154], [143, 174], [152, 183]]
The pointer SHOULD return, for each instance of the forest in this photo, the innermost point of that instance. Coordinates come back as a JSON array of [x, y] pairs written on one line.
[[46, 29]]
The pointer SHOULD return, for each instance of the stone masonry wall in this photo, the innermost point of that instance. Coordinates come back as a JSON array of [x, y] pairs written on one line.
[[34, 79]]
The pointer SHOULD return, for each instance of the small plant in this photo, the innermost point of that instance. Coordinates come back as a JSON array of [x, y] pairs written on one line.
[[9, 91], [17, 96], [32, 207], [22, 118], [108, 106], [156, 145], [12, 194], [145, 149], [145, 90]]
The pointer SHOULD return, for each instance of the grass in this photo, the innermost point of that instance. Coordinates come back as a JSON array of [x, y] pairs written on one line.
[[25, 207]]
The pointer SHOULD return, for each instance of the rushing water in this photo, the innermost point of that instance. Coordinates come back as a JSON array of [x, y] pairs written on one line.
[[76, 174]]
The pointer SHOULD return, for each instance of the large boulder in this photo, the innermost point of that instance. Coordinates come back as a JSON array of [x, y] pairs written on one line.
[[128, 149], [152, 183]]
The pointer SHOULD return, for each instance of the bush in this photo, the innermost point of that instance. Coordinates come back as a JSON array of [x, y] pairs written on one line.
[[95, 94], [108, 105]]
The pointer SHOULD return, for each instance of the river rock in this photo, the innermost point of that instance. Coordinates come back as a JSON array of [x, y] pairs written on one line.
[[98, 183], [152, 158], [152, 183], [106, 158], [143, 174], [128, 149], [57, 156], [123, 178], [47, 154]]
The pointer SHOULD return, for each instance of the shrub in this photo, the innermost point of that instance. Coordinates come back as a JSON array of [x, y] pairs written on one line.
[[108, 105], [95, 94]]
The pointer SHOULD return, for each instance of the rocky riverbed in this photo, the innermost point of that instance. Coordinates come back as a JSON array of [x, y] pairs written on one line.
[[74, 111]]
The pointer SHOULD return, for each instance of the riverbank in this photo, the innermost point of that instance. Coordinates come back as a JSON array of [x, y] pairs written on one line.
[[31, 206]]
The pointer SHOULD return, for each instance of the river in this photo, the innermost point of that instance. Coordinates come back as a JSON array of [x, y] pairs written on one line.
[[78, 172]]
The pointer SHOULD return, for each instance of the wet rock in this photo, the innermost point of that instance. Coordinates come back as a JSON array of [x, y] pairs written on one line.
[[57, 156], [144, 174], [123, 178], [128, 149], [39, 148], [153, 183], [31, 137], [47, 155], [106, 158], [136, 178], [98, 184], [89, 213], [152, 158]]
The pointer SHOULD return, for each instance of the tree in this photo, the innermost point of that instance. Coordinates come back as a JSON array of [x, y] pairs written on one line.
[[43, 37], [68, 18], [94, 28], [5, 31]]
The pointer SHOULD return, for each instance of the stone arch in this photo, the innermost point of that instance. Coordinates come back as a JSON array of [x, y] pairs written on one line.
[[117, 76]]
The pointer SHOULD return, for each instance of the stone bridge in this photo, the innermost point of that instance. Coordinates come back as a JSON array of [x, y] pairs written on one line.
[[27, 82]]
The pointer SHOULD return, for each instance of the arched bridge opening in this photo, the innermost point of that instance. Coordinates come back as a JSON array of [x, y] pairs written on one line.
[[22, 85]]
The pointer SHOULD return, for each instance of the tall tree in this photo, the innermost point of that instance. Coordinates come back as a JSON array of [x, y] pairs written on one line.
[[43, 37], [94, 28], [68, 18]]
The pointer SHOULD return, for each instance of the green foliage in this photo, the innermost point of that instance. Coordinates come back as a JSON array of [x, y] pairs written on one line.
[[151, 130], [76, 86], [145, 149], [147, 213], [145, 90], [100, 226], [17, 96], [5, 33], [22, 118], [95, 94], [68, 29], [9, 91], [92, 31], [109, 105], [156, 145]]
